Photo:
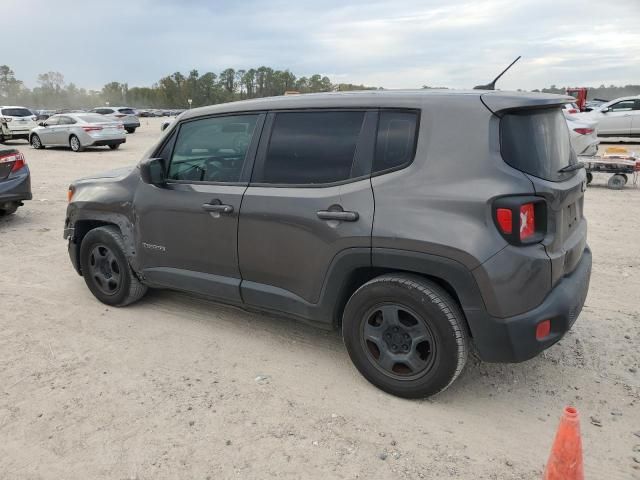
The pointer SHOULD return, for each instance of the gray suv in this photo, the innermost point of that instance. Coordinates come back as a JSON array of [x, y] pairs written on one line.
[[419, 223]]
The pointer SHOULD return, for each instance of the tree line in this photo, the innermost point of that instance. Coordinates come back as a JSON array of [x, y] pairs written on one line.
[[172, 91]]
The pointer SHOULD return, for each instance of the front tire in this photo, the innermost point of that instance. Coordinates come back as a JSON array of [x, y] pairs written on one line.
[[35, 142], [405, 335], [130, 130], [74, 143], [106, 270]]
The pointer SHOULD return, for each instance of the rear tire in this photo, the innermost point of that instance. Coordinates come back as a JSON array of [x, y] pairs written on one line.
[[617, 182], [589, 177], [35, 142], [130, 130], [74, 143], [106, 270], [114, 147], [405, 335], [10, 209]]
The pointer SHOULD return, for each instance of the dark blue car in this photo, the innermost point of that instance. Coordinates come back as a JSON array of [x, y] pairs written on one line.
[[15, 181]]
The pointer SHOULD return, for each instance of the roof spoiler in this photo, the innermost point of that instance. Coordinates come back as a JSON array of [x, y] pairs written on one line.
[[492, 84]]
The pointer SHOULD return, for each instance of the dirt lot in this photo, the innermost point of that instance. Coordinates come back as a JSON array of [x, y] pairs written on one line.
[[178, 387]]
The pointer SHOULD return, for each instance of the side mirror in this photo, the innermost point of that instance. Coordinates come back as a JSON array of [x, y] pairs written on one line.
[[605, 109], [152, 171], [42, 124]]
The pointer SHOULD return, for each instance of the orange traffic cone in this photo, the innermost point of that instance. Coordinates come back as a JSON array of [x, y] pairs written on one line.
[[565, 461]]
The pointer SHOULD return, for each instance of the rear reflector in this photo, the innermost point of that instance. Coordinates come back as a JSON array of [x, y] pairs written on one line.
[[527, 221], [583, 131], [505, 220], [543, 329]]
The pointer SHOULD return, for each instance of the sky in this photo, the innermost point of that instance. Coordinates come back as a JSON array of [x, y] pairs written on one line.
[[391, 44]]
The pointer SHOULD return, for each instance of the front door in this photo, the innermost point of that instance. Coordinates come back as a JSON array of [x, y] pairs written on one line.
[[310, 199], [187, 230], [617, 120]]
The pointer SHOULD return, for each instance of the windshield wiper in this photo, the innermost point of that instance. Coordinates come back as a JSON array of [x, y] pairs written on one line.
[[571, 167]]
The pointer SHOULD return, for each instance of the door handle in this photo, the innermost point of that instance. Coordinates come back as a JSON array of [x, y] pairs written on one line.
[[217, 207], [338, 215]]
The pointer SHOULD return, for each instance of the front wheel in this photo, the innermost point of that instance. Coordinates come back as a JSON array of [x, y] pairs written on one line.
[[35, 142], [106, 270], [405, 335], [74, 143], [130, 130]]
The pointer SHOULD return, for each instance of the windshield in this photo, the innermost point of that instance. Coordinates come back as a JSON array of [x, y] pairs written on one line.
[[16, 112], [537, 142]]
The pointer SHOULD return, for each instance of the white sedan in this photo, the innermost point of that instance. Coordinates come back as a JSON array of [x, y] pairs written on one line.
[[617, 118], [583, 135]]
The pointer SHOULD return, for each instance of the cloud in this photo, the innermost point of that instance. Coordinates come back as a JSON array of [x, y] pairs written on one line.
[[399, 44]]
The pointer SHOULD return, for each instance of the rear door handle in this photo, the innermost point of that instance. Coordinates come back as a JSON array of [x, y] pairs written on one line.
[[217, 207], [338, 215]]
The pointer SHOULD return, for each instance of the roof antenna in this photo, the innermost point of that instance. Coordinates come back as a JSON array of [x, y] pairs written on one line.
[[492, 85]]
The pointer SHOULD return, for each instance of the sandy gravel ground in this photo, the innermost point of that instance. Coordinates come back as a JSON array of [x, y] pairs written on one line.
[[178, 387]]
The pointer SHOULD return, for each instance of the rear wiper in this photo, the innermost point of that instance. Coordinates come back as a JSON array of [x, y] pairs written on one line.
[[571, 167]]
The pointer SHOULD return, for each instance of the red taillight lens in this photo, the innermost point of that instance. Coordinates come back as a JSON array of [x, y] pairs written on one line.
[[543, 329], [505, 220], [527, 221], [583, 131], [17, 158], [91, 129], [572, 110]]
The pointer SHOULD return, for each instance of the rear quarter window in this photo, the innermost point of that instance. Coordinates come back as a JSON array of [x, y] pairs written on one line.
[[537, 142], [396, 140]]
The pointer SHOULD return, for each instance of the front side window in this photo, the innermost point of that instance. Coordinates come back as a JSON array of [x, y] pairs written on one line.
[[311, 148], [396, 140], [622, 106], [212, 149], [51, 121]]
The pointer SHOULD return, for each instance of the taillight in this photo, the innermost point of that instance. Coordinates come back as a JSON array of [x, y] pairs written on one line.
[[70, 192], [91, 129], [583, 131], [572, 110], [521, 220], [16, 157]]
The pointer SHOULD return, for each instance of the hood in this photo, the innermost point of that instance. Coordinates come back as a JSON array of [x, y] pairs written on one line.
[[118, 173]]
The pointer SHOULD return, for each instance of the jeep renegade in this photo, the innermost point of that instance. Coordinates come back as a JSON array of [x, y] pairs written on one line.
[[420, 223]]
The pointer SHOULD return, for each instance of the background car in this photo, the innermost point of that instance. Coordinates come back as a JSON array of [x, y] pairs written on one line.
[[15, 181], [617, 118], [126, 115], [18, 122], [78, 131], [583, 136], [570, 108]]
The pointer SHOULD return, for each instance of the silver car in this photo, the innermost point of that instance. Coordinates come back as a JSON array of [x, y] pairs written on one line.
[[126, 115], [583, 135], [78, 131]]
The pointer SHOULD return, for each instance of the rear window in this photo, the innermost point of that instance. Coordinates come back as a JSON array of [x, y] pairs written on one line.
[[537, 142], [127, 111], [17, 112]]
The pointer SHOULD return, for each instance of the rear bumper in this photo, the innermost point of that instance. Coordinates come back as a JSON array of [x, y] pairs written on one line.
[[107, 141], [17, 187], [513, 339]]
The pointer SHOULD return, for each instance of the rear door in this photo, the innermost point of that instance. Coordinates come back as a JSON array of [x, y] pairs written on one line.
[[309, 199], [48, 132], [537, 143], [187, 230]]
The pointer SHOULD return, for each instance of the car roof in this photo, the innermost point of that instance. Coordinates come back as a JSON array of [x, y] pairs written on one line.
[[621, 99], [494, 100]]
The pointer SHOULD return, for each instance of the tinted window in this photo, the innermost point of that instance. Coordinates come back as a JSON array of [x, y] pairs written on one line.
[[537, 142], [312, 147], [52, 121], [127, 111], [208, 150], [625, 105], [66, 121], [16, 112], [396, 141]]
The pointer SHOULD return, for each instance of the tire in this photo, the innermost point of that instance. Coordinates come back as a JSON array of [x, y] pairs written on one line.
[[2, 139], [105, 268], [114, 147], [130, 130], [9, 210], [626, 179], [74, 143], [589, 177], [417, 351], [35, 142], [616, 182]]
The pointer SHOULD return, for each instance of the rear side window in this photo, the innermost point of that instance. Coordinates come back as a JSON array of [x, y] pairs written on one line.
[[537, 142], [311, 147], [16, 112], [396, 140], [92, 118], [127, 111]]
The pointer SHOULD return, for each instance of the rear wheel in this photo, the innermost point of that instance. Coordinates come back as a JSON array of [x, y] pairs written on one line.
[[130, 130], [106, 270], [405, 335], [35, 142], [589, 177], [114, 147], [74, 143], [617, 182], [2, 139], [8, 209]]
